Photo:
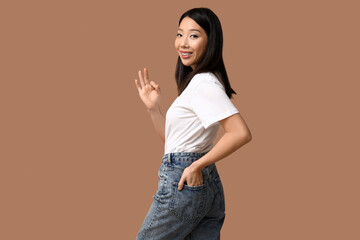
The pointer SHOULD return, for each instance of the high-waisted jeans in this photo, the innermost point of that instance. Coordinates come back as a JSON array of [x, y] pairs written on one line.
[[194, 212]]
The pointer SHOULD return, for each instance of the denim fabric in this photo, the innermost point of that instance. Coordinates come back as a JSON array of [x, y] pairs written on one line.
[[195, 212]]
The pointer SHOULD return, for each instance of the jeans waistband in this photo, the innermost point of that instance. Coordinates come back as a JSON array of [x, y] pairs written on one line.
[[181, 160], [182, 157]]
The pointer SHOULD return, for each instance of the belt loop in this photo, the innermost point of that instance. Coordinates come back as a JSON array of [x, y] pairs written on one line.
[[170, 158]]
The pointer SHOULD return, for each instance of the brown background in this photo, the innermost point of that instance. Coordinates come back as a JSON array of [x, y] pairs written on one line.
[[79, 155]]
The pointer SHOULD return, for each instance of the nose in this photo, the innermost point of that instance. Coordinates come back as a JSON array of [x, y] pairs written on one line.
[[184, 42]]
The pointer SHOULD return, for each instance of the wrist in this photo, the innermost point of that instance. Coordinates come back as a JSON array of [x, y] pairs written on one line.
[[197, 165], [153, 110]]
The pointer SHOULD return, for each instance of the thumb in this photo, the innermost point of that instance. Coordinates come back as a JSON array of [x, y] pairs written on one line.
[[158, 89], [153, 84]]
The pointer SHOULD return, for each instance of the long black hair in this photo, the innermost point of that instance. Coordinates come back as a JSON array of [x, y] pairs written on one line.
[[212, 61]]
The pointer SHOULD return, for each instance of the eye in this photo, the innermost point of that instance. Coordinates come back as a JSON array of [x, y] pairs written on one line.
[[193, 35], [178, 35]]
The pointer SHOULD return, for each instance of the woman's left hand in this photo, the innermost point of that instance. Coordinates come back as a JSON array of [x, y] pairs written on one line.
[[192, 176]]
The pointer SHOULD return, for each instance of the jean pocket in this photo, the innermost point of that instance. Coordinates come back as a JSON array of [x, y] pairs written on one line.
[[188, 203]]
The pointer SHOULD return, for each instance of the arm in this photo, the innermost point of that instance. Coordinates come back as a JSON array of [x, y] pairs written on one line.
[[149, 93], [158, 122], [236, 135]]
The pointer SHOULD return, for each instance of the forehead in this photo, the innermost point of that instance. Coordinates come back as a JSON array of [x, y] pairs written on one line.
[[189, 24]]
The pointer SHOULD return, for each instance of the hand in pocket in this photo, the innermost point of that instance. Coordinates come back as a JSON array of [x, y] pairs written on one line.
[[192, 176]]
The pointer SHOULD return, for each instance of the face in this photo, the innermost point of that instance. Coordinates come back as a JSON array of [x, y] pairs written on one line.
[[191, 42]]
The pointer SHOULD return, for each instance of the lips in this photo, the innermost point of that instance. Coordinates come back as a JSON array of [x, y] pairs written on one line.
[[185, 54]]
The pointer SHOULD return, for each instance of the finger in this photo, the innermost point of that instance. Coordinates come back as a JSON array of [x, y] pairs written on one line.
[[181, 183], [146, 76], [153, 84], [141, 79], [201, 179], [137, 84]]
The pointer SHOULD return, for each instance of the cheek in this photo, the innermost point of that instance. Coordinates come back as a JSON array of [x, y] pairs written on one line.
[[200, 50], [200, 47], [203, 47]]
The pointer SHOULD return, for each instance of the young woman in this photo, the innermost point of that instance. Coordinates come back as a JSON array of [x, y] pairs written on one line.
[[189, 202]]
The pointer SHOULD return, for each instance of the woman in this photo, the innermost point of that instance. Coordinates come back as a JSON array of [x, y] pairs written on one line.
[[189, 202]]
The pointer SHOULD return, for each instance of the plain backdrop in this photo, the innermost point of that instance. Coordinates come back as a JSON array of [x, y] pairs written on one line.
[[79, 155]]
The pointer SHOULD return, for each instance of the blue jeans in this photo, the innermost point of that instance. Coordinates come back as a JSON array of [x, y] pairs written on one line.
[[195, 212]]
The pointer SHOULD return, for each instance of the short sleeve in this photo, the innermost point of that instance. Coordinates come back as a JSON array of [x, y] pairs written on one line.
[[211, 104]]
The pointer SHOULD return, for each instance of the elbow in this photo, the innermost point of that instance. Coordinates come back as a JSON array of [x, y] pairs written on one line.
[[241, 137], [249, 137], [245, 138]]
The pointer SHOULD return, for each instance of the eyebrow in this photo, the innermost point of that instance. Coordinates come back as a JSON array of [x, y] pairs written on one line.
[[190, 29]]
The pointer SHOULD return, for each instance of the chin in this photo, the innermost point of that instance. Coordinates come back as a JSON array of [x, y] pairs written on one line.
[[186, 64]]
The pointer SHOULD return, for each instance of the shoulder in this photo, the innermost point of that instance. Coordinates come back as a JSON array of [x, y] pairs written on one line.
[[206, 79], [207, 86]]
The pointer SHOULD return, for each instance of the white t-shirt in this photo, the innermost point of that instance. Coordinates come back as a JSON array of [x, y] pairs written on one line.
[[191, 122]]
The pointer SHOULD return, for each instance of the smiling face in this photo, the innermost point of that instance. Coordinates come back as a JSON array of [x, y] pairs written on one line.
[[191, 42]]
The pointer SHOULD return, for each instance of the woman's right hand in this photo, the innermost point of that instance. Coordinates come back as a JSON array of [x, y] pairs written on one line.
[[149, 92]]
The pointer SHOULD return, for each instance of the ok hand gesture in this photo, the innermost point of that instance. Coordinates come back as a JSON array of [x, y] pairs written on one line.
[[149, 92]]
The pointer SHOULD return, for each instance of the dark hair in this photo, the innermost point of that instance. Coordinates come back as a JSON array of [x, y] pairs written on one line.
[[212, 61]]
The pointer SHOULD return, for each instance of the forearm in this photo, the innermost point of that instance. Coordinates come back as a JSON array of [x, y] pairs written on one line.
[[158, 122], [229, 143]]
